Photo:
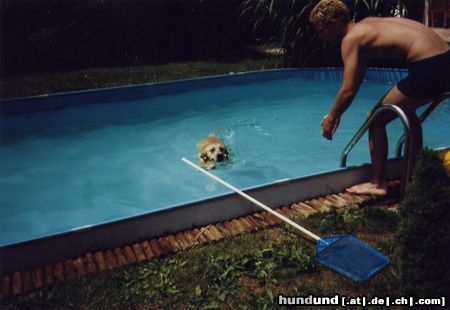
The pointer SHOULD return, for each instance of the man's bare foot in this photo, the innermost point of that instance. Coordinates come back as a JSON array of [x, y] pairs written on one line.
[[367, 189]]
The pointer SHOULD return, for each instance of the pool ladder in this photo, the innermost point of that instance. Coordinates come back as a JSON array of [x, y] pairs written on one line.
[[403, 140]]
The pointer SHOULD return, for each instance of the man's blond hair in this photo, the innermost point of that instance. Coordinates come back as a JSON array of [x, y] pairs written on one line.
[[326, 10]]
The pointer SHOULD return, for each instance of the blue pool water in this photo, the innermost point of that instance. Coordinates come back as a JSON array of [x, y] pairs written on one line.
[[89, 164]]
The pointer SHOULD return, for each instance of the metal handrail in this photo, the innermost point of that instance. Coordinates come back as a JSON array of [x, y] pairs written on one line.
[[406, 129], [422, 118], [368, 123]]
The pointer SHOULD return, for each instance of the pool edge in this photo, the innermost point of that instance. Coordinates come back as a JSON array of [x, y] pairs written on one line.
[[41, 251], [44, 102]]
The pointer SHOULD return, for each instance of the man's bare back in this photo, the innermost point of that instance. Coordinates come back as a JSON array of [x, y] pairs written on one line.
[[428, 62], [395, 37]]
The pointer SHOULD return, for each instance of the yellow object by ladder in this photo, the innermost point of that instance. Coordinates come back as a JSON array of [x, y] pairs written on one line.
[[444, 154]]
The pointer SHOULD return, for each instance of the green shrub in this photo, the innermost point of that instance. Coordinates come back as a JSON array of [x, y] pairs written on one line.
[[423, 236], [287, 22]]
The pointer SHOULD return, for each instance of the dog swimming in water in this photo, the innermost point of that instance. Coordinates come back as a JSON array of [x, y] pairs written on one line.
[[212, 150]]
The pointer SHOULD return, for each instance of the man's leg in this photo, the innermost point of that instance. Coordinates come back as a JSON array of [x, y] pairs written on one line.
[[378, 147], [378, 143]]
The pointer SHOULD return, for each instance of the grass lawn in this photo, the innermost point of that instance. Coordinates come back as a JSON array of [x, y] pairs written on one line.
[[53, 82], [243, 272]]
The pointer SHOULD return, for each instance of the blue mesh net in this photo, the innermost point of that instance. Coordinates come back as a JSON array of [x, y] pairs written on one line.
[[350, 257]]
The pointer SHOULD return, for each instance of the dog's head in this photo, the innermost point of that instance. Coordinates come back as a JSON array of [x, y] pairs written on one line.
[[212, 150]]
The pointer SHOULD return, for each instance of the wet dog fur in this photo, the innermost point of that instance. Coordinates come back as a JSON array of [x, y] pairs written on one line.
[[211, 150]]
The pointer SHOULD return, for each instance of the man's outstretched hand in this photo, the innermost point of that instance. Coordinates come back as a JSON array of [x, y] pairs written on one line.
[[329, 125]]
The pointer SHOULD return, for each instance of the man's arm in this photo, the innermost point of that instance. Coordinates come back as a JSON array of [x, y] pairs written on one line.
[[354, 68]]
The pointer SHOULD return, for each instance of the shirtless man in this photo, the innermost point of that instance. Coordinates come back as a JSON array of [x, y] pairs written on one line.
[[428, 61]]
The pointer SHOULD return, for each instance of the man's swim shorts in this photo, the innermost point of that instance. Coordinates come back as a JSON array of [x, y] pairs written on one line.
[[427, 78]]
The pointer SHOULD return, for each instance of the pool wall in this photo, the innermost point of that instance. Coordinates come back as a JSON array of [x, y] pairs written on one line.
[[182, 217], [134, 92], [107, 235]]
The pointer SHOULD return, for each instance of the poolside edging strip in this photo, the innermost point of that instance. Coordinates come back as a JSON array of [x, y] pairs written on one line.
[[24, 281]]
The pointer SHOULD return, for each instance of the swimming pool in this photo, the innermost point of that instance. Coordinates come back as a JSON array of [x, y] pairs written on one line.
[[100, 160]]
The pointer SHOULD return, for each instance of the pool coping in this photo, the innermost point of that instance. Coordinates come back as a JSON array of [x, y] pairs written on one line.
[[44, 102], [91, 263], [31, 253]]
